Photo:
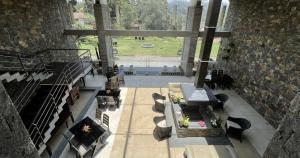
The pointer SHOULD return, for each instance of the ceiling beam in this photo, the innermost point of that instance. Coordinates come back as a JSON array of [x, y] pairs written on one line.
[[156, 33]]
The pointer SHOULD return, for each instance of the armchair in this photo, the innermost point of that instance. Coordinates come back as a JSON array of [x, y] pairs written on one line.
[[79, 149], [236, 131], [159, 102], [222, 98]]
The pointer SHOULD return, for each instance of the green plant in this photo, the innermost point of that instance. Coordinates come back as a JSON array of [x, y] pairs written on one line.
[[178, 99], [185, 121], [216, 123]]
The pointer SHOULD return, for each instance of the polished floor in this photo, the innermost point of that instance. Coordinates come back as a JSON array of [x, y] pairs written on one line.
[[132, 124]]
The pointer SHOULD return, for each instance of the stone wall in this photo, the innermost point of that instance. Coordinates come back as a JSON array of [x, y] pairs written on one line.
[[286, 141], [34, 25], [14, 138], [262, 54]]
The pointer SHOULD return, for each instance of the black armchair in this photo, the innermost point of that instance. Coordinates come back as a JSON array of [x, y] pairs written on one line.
[[214, 78], [237, 131], [222, 98]]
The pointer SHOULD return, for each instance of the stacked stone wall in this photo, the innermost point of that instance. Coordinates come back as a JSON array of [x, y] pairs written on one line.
[[262, 54], [14, 138], [34, 25]]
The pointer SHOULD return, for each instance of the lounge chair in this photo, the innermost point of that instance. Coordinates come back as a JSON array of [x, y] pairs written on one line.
[[222, 98], [159, 102], [236, 126]]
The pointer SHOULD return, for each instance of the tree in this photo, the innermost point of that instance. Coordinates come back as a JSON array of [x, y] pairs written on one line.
[[124, 11], [153, 15], [128, 14], [89, 6]]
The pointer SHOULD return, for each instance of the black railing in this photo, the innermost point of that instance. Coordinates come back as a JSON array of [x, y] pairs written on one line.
[[29, 64], [61, 86], [18, 63]]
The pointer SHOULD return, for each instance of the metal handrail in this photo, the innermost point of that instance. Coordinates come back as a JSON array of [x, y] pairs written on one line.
[[54, 97], [24, 97], [27, 63]]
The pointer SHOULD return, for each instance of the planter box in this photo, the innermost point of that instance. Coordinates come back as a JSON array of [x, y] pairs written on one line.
[[194, 129]]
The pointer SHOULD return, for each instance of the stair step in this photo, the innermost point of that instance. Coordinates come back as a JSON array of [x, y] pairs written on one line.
[[11, 76]]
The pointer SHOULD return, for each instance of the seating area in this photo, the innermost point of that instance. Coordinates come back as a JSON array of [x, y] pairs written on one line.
[[149, 79], [217, 79], [85, 136]]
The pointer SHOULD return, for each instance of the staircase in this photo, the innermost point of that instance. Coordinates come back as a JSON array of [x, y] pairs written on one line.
[[39, 89], [42, 111], [10, 76], [21, 75]]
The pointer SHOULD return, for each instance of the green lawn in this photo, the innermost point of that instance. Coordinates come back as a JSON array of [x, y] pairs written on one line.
[[128, 46], [162, 46]]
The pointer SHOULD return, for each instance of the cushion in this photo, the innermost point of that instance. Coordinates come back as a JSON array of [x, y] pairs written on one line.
[[232, 124], [160, 101], [82, 150]]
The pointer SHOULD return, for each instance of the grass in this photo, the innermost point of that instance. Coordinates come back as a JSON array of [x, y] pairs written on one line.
[[164, 47]]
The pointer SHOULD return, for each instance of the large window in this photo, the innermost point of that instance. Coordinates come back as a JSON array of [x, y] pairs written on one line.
[[144, 15], [148, 14], [88, 42], [148, 46], [83, 14], [147, 51], [214, 49]]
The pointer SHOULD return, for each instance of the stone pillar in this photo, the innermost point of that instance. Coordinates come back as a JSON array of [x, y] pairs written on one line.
[[105, 43], [190, 43], [207, 41], [221, 18], [14, 138]]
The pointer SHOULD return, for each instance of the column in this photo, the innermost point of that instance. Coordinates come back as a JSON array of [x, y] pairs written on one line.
[[207, 41], [105, 43], [221, 18], [190, 43]]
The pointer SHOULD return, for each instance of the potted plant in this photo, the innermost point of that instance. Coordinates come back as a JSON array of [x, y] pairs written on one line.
[[178, 99], [175, 99], [216, 123], [184, 122]]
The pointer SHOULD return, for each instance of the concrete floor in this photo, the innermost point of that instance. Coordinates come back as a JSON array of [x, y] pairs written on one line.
[[132, 125]]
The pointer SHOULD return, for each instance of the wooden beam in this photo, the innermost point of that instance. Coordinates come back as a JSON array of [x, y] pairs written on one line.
[[157, 33], [207, 41], [81, 32], [217, 34]]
